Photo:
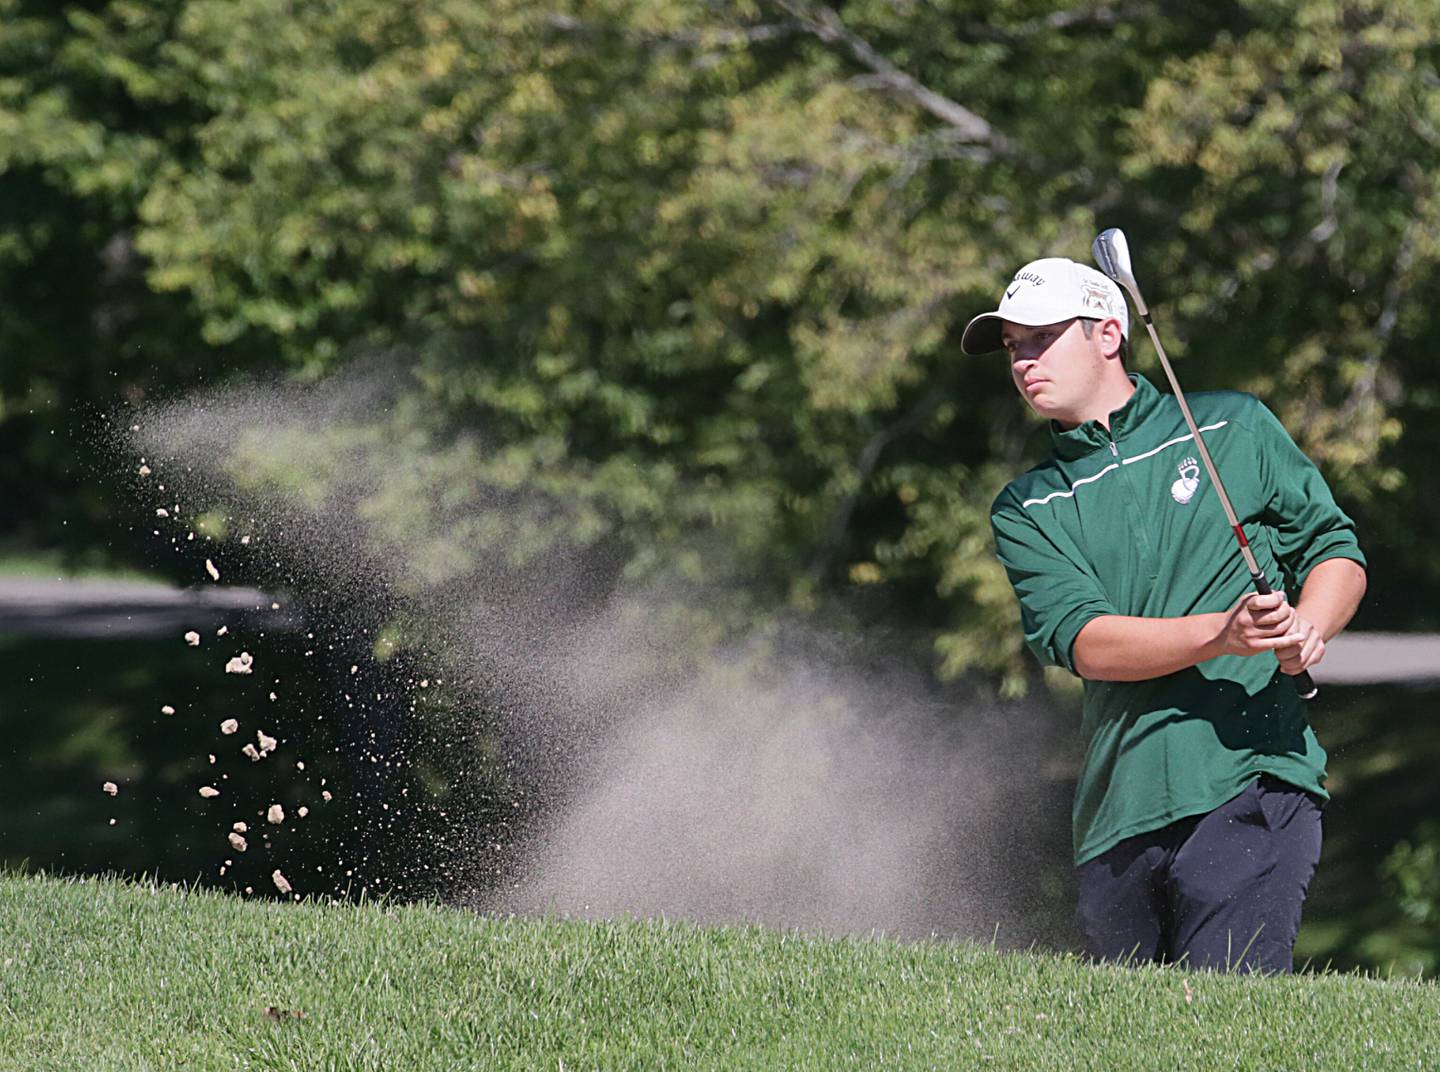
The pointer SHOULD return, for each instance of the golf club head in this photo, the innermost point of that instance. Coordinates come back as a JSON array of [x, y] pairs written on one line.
[[1112, 254]]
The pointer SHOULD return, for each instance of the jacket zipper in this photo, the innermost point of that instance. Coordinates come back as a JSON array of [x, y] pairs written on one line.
[[1141, 531]]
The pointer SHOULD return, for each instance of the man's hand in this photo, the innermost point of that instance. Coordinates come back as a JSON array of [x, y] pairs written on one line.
[[1305, 654], [1266, 623]]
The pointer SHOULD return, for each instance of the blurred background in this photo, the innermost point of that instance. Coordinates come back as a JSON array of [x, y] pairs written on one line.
[[527, 384]]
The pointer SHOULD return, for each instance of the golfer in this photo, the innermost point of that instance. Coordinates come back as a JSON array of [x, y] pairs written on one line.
[[1197, 813]]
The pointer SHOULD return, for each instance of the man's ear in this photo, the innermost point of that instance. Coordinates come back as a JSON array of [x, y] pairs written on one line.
[[1111, 337]]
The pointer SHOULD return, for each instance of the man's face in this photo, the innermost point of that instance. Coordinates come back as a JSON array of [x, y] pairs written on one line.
[[1056, 369]]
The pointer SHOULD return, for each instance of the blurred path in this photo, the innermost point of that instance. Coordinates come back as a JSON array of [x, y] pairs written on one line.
[[1374, 658], [97, 608]]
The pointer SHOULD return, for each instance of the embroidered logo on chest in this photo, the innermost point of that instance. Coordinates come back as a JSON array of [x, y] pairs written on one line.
[[1183, 490]]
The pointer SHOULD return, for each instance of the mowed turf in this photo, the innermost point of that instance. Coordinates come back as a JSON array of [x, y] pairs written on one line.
[[114, 975]]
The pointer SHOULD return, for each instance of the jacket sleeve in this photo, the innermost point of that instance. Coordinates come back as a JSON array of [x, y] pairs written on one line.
[[1058, 594], [1307, 524]]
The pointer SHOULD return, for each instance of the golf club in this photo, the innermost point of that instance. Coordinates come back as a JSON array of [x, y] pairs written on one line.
[[1112, 254]]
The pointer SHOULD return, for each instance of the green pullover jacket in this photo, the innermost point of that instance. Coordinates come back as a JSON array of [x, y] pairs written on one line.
[[1126, 521]]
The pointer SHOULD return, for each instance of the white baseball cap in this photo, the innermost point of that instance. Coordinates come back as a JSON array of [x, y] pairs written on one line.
[[1048, 291]]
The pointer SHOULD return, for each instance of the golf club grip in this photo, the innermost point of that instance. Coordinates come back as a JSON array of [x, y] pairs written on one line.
[[1302, 681]]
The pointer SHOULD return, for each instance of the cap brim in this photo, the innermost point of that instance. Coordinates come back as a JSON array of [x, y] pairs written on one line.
[[983, 335]]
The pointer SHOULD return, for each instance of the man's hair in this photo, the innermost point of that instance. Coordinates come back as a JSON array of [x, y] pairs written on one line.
[[1087, 325]]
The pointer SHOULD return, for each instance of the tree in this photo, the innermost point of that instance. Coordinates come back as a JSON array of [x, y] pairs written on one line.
[[703, 266]]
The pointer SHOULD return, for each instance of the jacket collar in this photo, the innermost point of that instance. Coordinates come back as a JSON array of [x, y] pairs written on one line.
[[1091, 436]]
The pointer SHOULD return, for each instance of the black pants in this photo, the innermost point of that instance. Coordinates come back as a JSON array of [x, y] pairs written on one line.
[[1221, 890]]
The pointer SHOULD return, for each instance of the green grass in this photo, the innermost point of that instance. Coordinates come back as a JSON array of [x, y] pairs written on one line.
[[104, 974]]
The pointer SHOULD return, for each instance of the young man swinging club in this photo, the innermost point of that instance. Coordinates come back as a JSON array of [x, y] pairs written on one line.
[[1197, 813]]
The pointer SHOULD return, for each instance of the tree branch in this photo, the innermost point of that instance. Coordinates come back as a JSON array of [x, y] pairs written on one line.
[[864, 466], [1329, 194], [1363, 394], [822, 22], [715, 38], [1059, 20]]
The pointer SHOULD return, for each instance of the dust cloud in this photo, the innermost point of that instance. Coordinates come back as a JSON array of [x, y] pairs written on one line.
[[802, 796], [792, 775]]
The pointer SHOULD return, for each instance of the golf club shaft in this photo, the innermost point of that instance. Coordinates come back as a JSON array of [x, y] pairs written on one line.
[[1304, 685], [1205, 457]]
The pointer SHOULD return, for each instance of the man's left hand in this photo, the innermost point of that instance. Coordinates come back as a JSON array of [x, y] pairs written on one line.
[[1305, 654]]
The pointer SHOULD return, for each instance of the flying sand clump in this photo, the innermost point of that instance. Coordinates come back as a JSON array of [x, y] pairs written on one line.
[[241, 664]]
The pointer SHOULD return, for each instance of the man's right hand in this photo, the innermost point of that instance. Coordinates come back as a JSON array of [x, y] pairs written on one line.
[[1260, 623]]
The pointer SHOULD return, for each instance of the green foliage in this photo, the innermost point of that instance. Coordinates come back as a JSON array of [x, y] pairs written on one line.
[[211, 982], [1413, 869], [1300, 152]]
